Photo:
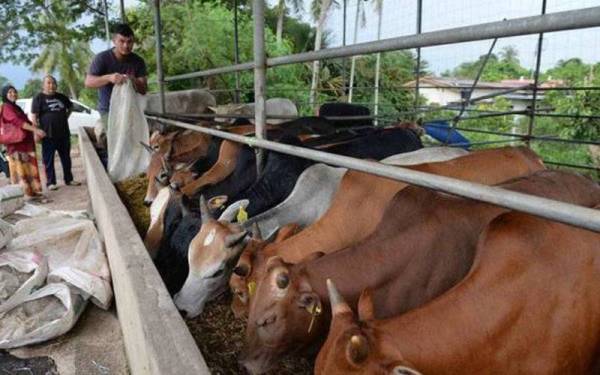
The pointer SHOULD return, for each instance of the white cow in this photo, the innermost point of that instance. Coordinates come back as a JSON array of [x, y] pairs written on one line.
[[273, 107]]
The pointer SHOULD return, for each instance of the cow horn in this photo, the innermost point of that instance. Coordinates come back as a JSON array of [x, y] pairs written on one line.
[[147, 147], [204, 211], [403, 370], [338, 304], [357, 349], [231, 240], [256, 232]]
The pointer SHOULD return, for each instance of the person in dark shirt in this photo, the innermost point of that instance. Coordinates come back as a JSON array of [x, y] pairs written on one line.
[[114, 67], [50, 111]]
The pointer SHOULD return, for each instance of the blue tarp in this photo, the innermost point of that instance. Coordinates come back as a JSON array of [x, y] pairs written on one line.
[[439, 131]]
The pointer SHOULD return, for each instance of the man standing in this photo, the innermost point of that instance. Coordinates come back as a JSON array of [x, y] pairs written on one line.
[[50, 111], [113, 67]]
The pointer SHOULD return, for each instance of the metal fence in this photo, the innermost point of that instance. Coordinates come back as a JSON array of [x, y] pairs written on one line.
[[567, 20]]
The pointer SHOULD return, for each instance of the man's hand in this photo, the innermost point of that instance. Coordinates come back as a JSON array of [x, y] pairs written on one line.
[[139, 84], [39, 134], [117, 78]]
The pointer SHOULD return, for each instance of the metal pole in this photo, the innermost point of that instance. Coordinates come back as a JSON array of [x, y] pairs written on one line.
[[566, 213], [236, 50], [418, 69], [123, 17], [377, 64], [159, 51], [260, 68], [353, 62], [560, 21], [106, 27], [536, 79], [344, 44]]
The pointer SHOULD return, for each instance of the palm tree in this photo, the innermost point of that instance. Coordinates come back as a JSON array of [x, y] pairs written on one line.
[[320, 7], [280, 9], [63, 53]]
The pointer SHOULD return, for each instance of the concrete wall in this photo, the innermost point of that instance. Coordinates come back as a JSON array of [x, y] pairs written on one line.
[[157, 341]]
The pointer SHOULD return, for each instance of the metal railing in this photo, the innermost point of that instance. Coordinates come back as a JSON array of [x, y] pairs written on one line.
[[559, 211]]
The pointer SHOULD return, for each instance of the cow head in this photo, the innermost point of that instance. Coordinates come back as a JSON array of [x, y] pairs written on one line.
[[243, 280], [285, 315], [159, 148], [155, 231], [230, 109], [211, 256], [354, 347]]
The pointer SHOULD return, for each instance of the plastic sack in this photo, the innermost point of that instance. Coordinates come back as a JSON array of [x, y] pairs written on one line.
[[127, 127], [6, 233], [48, 272], [11, 199]]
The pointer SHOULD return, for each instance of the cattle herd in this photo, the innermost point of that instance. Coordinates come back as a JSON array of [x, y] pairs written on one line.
[[375, 275]]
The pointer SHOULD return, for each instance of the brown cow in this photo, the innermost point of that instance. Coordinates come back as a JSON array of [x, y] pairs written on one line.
[[529, 305], [359, 203], [167, 150], [423, 246]]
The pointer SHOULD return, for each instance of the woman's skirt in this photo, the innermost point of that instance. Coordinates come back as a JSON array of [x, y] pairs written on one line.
[[24, 170]]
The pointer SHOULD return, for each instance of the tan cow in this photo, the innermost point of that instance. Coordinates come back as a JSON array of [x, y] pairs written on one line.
[[529, 305], [359, 204]]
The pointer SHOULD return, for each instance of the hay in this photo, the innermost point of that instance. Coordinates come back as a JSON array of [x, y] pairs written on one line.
[[220, 337], [132, 192]]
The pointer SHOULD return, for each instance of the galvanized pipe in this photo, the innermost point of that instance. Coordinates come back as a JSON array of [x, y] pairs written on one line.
[[159, 57], [260, 69], [212, 72], [546, 208], [536, 78], [122, 6], [418, 68]]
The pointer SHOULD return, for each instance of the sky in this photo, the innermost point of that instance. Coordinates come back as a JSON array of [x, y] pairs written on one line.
[[399, 18]]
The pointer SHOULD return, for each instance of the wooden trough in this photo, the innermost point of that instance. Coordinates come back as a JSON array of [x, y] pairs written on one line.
[[157, 340]]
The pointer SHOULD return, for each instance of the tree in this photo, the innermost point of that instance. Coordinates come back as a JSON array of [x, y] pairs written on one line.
[[31, 88], [281, 9], [323, 8], [3, 81], [505, 65]]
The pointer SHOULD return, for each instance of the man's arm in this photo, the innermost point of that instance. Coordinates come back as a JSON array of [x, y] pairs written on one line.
[[140, 84]]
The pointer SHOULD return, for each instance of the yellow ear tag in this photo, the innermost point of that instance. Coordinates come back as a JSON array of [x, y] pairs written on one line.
[[251, 288], [242, 215], [316, 311]]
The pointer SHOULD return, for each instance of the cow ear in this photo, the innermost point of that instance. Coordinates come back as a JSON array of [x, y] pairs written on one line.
[[366, 308], [232, 240], [204, 211], [403, 370], [170, 136], [212, 108], [286, 232], [357, 349]]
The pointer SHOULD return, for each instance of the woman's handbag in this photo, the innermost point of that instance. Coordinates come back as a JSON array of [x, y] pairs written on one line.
[[10, 133]]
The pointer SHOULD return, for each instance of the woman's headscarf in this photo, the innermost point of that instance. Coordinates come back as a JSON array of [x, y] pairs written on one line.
[[5, 91], [5, 99]]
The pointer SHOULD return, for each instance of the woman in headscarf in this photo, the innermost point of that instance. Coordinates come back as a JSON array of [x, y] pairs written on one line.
[[21, 156]]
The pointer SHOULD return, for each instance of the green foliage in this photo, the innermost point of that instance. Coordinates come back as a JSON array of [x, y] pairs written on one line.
[[31, 88], [506, 65], [3, 81]]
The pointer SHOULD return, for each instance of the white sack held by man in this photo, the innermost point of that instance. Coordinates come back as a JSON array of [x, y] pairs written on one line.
[[127, 127]]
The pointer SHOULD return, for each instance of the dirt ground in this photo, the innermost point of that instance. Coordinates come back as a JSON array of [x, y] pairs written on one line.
[[95, 344]]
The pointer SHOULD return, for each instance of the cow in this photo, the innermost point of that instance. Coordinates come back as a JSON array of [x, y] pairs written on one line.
[[361, 199], [346, 109], [273, 107], [317, 185], [423, 246], [175, 147], [529, 305]]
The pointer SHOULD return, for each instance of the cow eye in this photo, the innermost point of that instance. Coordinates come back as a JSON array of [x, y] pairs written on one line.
[[216, 274], [282, 280], [241, 270]]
